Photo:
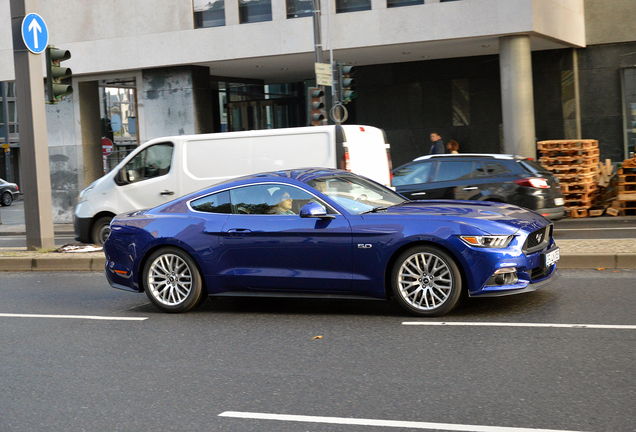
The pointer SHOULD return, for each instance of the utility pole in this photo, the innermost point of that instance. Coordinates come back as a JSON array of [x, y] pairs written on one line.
[[34, 151]]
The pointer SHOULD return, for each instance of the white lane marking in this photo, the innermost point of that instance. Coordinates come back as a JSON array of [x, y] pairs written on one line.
[[87, 317], [494, 324], [380, 423]]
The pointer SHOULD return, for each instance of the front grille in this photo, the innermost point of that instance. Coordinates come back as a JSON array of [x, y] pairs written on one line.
[[537, 239]]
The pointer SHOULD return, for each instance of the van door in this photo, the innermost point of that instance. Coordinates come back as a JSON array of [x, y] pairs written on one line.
[[148, 179]]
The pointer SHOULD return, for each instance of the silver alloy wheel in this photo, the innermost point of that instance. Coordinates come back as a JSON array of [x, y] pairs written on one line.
[[7, 199], [424, 281], [170, 279]]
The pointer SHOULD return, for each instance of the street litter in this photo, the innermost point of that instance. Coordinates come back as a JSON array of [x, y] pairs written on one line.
[[77, 248]]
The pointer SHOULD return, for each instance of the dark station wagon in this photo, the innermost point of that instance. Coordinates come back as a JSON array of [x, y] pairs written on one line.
[[482, 177]]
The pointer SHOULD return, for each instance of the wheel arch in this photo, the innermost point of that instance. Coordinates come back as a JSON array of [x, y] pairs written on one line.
[[391, 263]]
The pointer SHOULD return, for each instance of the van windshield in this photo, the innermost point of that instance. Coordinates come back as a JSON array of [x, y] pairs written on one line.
[[355, 194]]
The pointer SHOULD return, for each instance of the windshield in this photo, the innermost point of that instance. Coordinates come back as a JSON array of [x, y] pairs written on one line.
[[356, 194]]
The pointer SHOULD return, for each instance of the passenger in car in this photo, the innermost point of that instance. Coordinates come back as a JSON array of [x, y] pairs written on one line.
[[284, 203]]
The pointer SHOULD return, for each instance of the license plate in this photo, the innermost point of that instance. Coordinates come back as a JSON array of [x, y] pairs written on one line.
[[559, 201], [552, 257]]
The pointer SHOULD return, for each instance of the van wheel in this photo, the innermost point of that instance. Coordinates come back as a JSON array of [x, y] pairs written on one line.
[[101, 230]]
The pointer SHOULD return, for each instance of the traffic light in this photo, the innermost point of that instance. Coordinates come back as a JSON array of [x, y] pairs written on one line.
[[317, 112], [345, 83], [58, 79]]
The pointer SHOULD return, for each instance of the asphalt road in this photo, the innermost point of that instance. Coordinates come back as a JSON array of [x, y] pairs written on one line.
[[205, 370]]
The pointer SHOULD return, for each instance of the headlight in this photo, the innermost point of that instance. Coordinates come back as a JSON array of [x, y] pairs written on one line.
[[84, 194], [487, 241]]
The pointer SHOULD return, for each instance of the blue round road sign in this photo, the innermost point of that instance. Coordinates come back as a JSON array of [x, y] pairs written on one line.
[[34, 33]]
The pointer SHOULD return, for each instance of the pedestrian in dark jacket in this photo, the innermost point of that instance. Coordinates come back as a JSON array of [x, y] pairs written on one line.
[[438, 145]]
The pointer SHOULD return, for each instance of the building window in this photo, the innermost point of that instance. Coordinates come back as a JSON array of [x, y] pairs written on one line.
[[299, 8], [11, 114], [252, 11], [461, 102], [209, 13], [352, 5], [399, 3]]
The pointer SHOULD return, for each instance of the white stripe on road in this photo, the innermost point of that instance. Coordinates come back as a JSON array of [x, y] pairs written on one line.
[[557, 230], [87, 317], [380, 423], [494, 324]]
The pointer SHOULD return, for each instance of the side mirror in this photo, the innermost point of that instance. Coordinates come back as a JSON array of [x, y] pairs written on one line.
[[314, 210]]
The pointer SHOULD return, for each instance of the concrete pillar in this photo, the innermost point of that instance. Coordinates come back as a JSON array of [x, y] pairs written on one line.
[[517, 95], [92, 159]]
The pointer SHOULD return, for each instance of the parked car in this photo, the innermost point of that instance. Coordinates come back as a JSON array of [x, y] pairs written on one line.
[[331, 233], [8, 192], [482, 177]]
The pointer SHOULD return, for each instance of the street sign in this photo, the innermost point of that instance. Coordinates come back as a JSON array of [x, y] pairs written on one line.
[[107, 147], [35, 34], [323, 74]]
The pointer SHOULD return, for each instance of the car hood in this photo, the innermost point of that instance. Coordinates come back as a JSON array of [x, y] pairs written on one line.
[[487, 216]]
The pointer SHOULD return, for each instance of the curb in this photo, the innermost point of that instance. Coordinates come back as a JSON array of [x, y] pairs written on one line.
[[62, 262]]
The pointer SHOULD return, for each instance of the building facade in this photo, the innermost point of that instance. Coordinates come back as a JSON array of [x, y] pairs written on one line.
[[495, 75]]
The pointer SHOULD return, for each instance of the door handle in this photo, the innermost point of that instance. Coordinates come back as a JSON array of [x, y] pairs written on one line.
[[238, 232], [470, 188], [418, 193], [166, 192]]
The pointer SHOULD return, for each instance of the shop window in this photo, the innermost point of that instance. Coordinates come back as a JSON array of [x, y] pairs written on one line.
[[352, 5], [299, 8], [461, 102], [209, 13], [252, 11]]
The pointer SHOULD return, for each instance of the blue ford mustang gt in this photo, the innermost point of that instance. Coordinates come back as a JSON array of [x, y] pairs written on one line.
[[327, 233]]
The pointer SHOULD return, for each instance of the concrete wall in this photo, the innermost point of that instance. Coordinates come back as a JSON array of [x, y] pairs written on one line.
[[610, 21]]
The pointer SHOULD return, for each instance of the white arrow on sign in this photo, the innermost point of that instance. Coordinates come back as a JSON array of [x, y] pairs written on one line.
[[35, 28]]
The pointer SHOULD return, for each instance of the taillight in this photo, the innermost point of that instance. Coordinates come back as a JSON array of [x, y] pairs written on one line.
[[534, 182], [344, 163]]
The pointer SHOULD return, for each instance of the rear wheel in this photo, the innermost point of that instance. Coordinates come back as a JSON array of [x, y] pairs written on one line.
[[426, 281], [7, 199], [172, 281]]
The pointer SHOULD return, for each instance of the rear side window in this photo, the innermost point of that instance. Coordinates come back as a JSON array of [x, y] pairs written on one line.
[[413, 174], [532, 166], [216, 203], [455, 170], [490, 169]]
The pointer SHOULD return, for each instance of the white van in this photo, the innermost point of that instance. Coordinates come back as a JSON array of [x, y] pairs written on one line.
[[166, 168]]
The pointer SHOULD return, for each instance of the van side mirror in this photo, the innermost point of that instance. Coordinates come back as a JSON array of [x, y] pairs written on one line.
[[315, 210]]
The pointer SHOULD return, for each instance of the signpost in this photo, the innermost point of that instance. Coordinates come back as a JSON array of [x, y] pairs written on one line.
[[30, 37], [107, 150]]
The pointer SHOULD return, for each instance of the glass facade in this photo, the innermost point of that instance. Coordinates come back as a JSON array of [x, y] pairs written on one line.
[[208, 13], [399, 3], [8, 118], [118, 111], [629, 118]]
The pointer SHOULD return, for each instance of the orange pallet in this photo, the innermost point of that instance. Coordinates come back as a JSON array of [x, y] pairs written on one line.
[[567, 144]]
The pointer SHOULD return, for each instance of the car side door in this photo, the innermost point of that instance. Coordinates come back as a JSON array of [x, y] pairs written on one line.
[[271, 251], [452, 180]]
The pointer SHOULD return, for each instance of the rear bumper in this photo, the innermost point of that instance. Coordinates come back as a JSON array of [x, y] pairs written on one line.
[[553, 213]]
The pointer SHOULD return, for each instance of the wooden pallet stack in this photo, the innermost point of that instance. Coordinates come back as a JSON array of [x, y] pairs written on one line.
[[625, 203], [576, 164]]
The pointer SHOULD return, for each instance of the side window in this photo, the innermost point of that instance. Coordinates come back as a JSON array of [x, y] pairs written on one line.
[[495, 169], [269, 199], [454, 170], [413, 174], [216, 203], [155, 161]]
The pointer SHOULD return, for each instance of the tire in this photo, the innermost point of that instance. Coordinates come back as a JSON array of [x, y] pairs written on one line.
[[101, 230], [426, 281], [172, 281], [7, 199]]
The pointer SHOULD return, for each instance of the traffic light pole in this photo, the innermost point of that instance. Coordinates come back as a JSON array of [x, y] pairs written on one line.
[[34, 151]]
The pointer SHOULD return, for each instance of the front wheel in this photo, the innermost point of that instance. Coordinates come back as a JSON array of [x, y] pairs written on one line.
[[7, 199], [172, 281], [426, 281]]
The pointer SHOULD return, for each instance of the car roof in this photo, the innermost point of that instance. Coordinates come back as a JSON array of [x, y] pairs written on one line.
[[472, 155], [300, 174]]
